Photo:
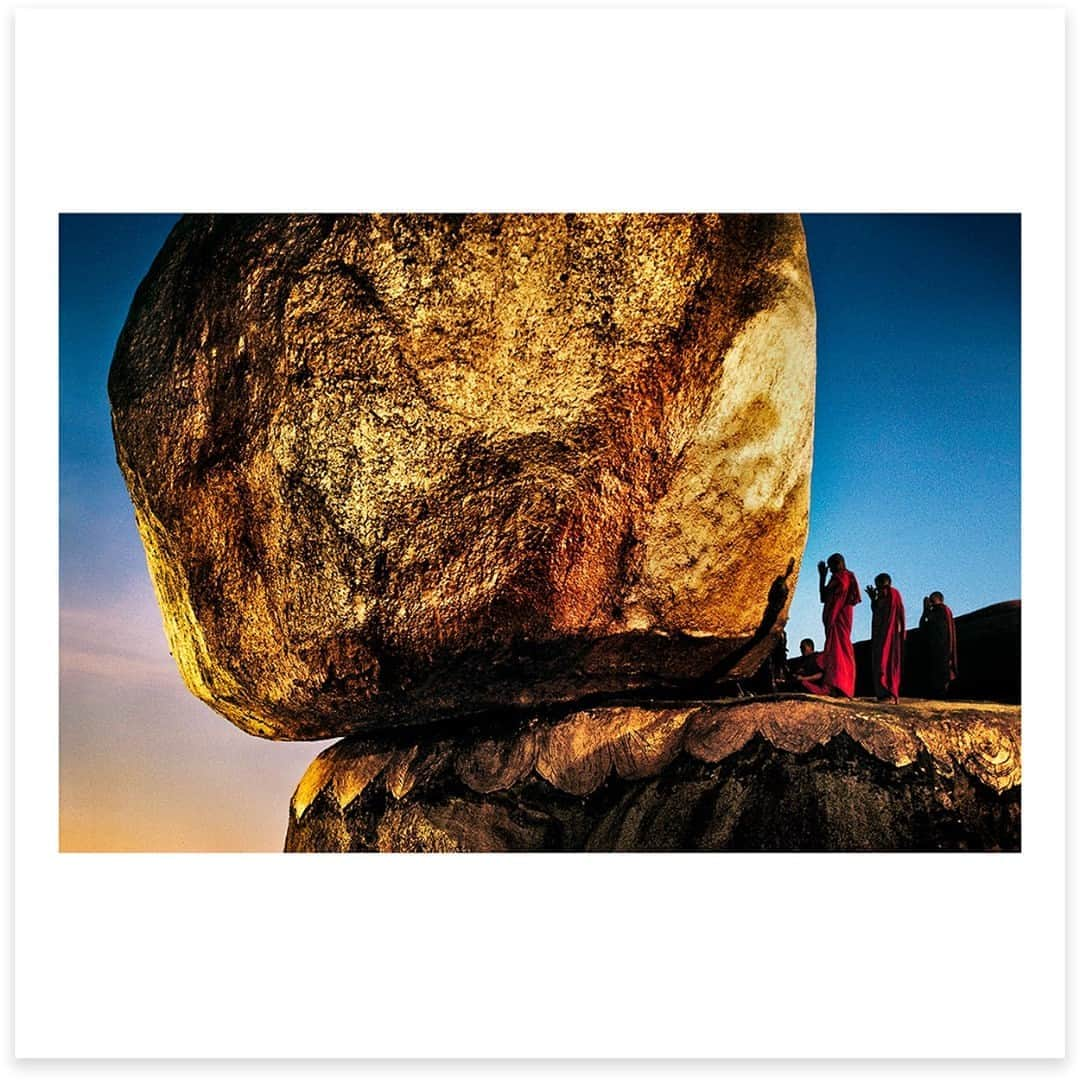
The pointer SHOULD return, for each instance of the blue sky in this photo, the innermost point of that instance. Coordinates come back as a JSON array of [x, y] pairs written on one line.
[[916, 472], [917, 420], [103, 257]]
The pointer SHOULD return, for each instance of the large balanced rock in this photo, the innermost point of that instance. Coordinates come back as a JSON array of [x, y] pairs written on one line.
[[393, 468], [780, 774]]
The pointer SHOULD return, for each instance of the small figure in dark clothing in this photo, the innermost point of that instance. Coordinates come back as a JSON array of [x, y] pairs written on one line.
[[805, 671], [776, 665], [939, 632]]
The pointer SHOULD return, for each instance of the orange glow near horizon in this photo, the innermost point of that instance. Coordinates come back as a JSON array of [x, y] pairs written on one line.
[[144, 765]]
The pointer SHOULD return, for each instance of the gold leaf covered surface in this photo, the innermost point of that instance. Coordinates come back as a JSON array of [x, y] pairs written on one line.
[[393, 467]]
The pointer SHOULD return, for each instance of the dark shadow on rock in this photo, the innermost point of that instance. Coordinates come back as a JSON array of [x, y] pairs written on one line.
[[768, 630]]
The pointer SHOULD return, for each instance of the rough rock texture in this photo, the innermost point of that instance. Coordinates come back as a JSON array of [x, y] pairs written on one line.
[[394, 468], [787, 773], [988, 654]]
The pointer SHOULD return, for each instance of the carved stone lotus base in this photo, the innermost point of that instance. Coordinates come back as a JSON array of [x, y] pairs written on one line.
[[787, 773]]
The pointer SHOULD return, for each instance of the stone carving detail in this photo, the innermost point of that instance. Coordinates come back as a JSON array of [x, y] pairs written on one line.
[[792, 773]]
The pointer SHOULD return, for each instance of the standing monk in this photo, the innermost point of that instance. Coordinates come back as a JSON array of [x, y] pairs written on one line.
[[886, 637], [838, 597], [939, 631]]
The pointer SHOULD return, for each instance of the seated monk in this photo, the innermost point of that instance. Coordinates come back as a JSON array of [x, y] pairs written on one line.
[[804, 671]]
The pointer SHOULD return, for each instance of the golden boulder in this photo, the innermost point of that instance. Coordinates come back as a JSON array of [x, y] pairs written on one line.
[[400, 469]]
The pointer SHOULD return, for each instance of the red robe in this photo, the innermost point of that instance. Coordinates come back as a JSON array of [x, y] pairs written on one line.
[[887, 643], [802, 666], [838, 656], [818, 685]]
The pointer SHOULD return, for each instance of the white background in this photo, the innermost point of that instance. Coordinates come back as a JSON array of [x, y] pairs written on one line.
[[623, 955]]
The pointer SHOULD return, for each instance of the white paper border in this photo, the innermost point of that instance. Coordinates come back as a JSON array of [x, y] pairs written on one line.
[[496, 956]]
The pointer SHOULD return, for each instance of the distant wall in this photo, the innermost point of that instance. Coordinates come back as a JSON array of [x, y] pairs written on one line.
[[988, 657]]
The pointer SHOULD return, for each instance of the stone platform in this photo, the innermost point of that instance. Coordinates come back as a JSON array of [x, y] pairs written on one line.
[[774, 773]]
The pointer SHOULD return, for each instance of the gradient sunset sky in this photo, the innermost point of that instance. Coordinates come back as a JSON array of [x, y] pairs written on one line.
[[916, 472]]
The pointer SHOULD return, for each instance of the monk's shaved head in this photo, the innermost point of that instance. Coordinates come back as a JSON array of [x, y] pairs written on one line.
[[882, 579], [836, 562]]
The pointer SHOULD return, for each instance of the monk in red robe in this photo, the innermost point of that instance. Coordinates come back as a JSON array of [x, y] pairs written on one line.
[[939, 632], [838, 597], [886, 637]]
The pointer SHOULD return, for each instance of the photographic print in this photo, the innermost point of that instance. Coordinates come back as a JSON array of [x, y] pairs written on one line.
[[576, 467], [534, 532]]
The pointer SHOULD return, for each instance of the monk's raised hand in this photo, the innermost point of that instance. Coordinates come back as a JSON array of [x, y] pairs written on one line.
[[822, 567]]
